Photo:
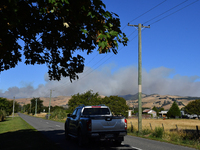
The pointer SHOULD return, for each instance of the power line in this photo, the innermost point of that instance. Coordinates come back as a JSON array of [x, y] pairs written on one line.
[[174, 12], [145, 13], [148, 11], [166, 11]]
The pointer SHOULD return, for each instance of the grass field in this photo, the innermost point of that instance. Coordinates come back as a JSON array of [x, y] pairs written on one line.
[[17, 134], [185, 135], [169, 124]]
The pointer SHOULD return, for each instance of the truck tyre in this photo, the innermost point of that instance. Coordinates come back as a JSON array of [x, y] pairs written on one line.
[[67, 137], [117, 142], [80, 139]]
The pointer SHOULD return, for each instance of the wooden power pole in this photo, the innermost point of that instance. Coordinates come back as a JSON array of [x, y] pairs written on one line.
[[139, 75]]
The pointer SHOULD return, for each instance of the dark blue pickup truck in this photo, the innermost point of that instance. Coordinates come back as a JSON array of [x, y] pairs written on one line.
[[95, 123]]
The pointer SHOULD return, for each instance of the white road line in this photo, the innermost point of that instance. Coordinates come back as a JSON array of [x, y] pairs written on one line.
[[47, 122], [135, 148], [57, 126]]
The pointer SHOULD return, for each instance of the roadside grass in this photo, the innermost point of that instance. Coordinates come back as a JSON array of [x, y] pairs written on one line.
[[184, 137], [43, 116], [17, 134]]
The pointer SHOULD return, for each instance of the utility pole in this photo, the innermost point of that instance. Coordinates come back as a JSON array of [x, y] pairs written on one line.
[[139, 75], [36, 107], [49, 104], [30, 107], [13, 107]]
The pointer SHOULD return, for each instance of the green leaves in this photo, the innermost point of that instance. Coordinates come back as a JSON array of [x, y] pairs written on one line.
[[193, 107], [53, 30], [174, 111], [116, 104], [84, 31]]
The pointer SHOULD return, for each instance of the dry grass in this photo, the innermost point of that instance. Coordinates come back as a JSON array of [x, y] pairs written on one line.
[[168, 123]]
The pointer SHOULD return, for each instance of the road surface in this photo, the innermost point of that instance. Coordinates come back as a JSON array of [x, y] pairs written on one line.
[[55, 132]]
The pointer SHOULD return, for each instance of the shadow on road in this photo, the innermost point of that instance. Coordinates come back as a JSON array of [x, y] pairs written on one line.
[[25, 139], [51, 140]]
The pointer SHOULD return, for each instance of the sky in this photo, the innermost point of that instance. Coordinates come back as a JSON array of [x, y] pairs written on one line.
[[170, 56]]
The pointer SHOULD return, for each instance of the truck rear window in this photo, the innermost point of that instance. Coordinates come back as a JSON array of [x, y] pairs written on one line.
[[96, 111]]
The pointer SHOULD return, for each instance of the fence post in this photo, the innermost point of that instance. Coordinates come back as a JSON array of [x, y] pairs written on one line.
[[163, 127], [150, 126], [131, 127], [197, 130], [176, 127]]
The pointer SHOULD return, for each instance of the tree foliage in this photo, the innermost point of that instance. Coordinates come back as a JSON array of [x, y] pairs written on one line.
[[39, 105], [193, 107], [7, 106], [87, 98], [58, 113], [174, 111], [116, 104], [157, 110], [53, 30]]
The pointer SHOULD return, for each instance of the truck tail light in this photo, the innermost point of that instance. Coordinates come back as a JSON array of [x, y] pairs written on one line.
[[89, 125], [125, 121]]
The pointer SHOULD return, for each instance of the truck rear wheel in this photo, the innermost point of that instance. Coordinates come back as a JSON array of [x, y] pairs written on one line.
[[80, 139], [117, 142], [67, 137]]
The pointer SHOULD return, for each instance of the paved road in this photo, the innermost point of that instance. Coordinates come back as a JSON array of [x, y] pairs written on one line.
[[55, 132]]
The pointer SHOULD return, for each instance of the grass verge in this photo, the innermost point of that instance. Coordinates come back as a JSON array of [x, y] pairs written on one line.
[[17, 134], [174, 137]]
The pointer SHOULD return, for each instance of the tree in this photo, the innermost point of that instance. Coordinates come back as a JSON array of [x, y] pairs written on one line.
[[116, 104], [39, 105], [7, 105], [53, 30], [174, 111], [193, 107], [87, 98]]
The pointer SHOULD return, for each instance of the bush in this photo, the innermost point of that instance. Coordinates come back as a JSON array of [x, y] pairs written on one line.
[[146, 131], [2, 115], [158, 132], [59, 113]]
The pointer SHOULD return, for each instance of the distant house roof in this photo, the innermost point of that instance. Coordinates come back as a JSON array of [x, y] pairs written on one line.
[[146, 110], [163, 112]]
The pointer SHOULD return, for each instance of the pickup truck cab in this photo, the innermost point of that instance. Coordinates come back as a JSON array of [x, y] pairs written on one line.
[[88, 123]]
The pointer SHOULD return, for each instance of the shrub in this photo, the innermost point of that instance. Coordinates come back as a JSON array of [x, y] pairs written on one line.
[[132, 130], [2, 115], [146, 131], [59, 113], [158, 132]]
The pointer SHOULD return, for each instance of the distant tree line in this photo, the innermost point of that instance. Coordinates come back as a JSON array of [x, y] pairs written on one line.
[[6, 107], [116, 104]]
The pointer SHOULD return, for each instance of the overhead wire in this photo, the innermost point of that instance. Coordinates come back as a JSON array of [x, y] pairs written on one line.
[[166, 11], [174, 12], [148, 11]]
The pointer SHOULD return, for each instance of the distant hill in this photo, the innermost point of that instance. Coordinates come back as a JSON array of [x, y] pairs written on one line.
[[132, 97], [149, 101], [157, 100]]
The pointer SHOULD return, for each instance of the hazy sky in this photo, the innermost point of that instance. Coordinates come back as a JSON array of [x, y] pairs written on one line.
[[170, 56]]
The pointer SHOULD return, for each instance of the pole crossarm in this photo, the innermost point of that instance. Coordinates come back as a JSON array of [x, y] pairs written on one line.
[[137, 26]]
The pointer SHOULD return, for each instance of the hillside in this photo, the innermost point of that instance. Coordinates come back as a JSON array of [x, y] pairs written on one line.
[[157, 100], [149, 101]]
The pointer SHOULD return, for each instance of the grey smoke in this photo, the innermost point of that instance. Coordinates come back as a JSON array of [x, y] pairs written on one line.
[[105, 82]]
